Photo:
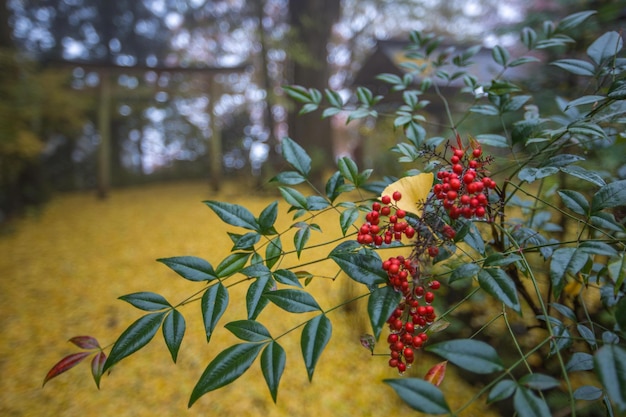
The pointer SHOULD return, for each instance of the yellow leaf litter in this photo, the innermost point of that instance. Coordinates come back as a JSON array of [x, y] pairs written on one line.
[[62, 270]]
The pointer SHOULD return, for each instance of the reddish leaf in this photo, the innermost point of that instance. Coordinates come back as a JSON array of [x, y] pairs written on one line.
[[97, 365], [85, 342], [436, 374], [65, 364]]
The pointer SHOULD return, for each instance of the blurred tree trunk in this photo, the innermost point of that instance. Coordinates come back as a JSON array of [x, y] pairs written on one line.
[[311, 22]]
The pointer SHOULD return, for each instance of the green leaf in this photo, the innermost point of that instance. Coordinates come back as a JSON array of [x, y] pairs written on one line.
[[620, 314], [273, 252], [315, 337], [334, 186], [190, 267], [296, 156], [233, 214], [573, 20], [227, 366], [136, 336], [469, 354], [611, 195], [575, 66], [273, 361], [499, 259], [464, 271], [574, 201], [301, 237], [588, 393], [486, 109], [528, 404], [213, 305], [381, 303], [420, 395], [298, 93], [564, 261], [584, 174], [531, 174], [244, 242], [607, 221], [610, 366], [539, 382], [489, 139], [147, 301], [173, 332], [348, 169], [347, 218], [249, 330], [523, 60], [232, 264], [500, 55], [606, 46], [293, 197], [595, 247], [499, 285], [255, 302], [617, 90], [287, 277], [580, 361], [293, 301], [502, 390], [316, 203], [289, 178], [528, 37], [362, 268], [334, 98], [586, 333], [617, 271], [267, 218]]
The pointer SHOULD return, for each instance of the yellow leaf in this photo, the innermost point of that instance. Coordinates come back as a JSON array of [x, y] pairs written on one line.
[[436, 374], [414, 191]]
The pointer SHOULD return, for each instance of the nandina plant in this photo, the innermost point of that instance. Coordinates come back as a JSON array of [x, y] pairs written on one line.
[[499, 212]]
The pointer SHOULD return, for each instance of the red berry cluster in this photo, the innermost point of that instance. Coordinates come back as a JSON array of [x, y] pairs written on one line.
[[385, 223], [412, 315], [464, 185]]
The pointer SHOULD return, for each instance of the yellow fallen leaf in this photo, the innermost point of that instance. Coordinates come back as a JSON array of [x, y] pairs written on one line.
[[414, 191]]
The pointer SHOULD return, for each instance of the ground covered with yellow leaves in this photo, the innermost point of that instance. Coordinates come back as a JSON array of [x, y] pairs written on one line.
[[61, 271]]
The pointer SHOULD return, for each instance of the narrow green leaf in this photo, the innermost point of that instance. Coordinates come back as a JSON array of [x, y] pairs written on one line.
[[267, 218], [298, 93], [580, 361], [333, 186], [620, 314], [564, 261], [227, 366], [586, 333], [273, 252], [499, 285], [610, 366], [296, 156], [500, 55], [233, 214], [147, 301], [293, 301], [301, 237], [539, 382], [486, 109], [595, 247], [573, 20], [381, 303], [232, 264], [588, 393], [499, 259], [584, 174], [607, 221], [565, 311], [248, 330], [315, 337], [609, 196], [528, 404], [502, 390], [255, 302], [362, 268], [333, 97], [528, 37], [316, 203], [606, 46], [532, 174], [575, 66], [420, 395], [287, 277], [348, 169], [574, 201], [489, 139], [136, 336], [464, 271], [213, 305], [289, 178], [273, 361], [347, 218], [190, 267], [523, 60], [472, 355], [293, 197], [173, 332], [617, 271], [244, 242]]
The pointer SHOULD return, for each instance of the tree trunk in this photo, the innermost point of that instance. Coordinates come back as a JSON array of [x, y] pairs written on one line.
[[311, 23]]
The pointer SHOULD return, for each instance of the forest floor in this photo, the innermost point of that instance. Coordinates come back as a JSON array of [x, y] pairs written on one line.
[[62, 270]]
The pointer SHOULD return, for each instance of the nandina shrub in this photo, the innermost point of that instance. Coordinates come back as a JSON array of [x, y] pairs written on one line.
[[482, 213]]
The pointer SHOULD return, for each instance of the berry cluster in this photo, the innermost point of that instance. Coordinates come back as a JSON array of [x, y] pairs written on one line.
[[464, 185], [385, 223], [412, 315]]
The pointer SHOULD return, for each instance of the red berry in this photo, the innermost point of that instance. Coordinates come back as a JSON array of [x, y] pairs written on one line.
[[385, 211], [435, 285], [417, 342], [393, 363], [409, 327], [476, 153], [454, 159], [408, 352], [376, 206], [433, 251], [455, 184], [397, 195], [457, 168], [385, 199], [480, 212], [429, 297], [392, 338], [409, 232], [401, 367], [400, 213], [459, 153]]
